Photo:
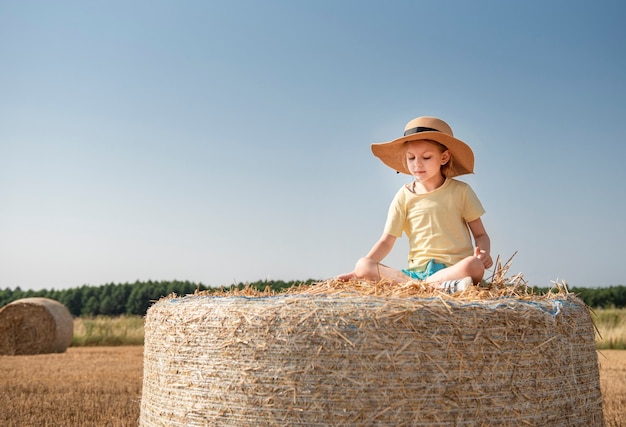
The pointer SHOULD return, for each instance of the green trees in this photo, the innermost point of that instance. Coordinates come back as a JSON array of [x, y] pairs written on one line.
[[109, 299], [128, 298], [611, 297]]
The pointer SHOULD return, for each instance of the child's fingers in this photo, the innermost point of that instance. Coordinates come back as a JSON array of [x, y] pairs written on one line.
[[345, 277], [488, 262], [484, 257]]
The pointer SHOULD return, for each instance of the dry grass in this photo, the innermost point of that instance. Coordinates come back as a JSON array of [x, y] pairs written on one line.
[[101, 386], [89, 386], [108, 331], [611, 323]]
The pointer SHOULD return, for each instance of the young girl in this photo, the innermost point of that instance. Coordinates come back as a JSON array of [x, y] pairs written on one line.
[[436, 212]]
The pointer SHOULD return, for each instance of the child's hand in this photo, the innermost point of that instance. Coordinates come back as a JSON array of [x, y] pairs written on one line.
[[484, 257], [346, 277]]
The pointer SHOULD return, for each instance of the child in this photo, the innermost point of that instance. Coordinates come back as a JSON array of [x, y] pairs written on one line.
[[436, 212]]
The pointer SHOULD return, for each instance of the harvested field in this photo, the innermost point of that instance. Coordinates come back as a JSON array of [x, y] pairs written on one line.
[[87, 386], [101, 386]]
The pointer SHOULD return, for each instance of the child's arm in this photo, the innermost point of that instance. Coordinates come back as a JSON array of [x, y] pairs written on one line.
[[382, 247], [368, 267], [482, 242]]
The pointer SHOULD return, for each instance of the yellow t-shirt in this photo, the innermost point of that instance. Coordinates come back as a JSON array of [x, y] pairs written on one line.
[[435, 223]]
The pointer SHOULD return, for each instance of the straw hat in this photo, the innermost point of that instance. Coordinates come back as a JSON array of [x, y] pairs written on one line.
[[433, 129]]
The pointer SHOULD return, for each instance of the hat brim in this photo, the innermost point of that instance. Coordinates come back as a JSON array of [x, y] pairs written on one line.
[[392, 153]]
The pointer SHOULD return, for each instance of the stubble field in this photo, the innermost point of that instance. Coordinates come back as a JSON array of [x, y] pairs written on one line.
[[101, 386], [85, 386]]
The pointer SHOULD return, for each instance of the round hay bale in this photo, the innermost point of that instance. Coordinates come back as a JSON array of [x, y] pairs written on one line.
[[35, 326], [342, 360]]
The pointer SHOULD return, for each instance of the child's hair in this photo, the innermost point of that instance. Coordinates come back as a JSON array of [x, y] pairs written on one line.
[[448, 169]]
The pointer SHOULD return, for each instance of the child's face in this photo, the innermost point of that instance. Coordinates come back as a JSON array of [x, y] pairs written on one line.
[[425, 159]]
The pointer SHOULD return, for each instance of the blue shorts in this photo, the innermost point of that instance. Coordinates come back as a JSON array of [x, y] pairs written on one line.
[[431, 268]]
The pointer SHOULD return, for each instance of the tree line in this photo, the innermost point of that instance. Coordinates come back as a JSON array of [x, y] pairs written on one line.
[[135, 298], [128, 298], [610, 297]]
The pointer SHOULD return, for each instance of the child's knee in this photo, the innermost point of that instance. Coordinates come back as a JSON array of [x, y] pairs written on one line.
[[366, 268], [475, 268], [478, 264]]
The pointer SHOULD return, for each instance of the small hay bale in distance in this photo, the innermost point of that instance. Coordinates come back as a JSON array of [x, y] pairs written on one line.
[[348, 360], [35, 326]]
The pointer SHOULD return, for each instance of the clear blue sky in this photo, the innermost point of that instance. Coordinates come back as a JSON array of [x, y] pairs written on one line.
[[229, 141]]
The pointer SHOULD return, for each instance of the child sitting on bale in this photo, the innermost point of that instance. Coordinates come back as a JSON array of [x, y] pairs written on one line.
[[436, 212]]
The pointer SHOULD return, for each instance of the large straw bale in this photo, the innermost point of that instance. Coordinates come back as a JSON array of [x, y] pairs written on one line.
[[35, 326], [362, 356]]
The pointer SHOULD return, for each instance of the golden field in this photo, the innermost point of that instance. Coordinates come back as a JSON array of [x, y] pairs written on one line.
[[101, 386], [85, 386]]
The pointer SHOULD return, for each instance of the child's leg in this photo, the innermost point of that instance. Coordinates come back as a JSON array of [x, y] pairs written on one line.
[[470, 266], [368, 269]]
